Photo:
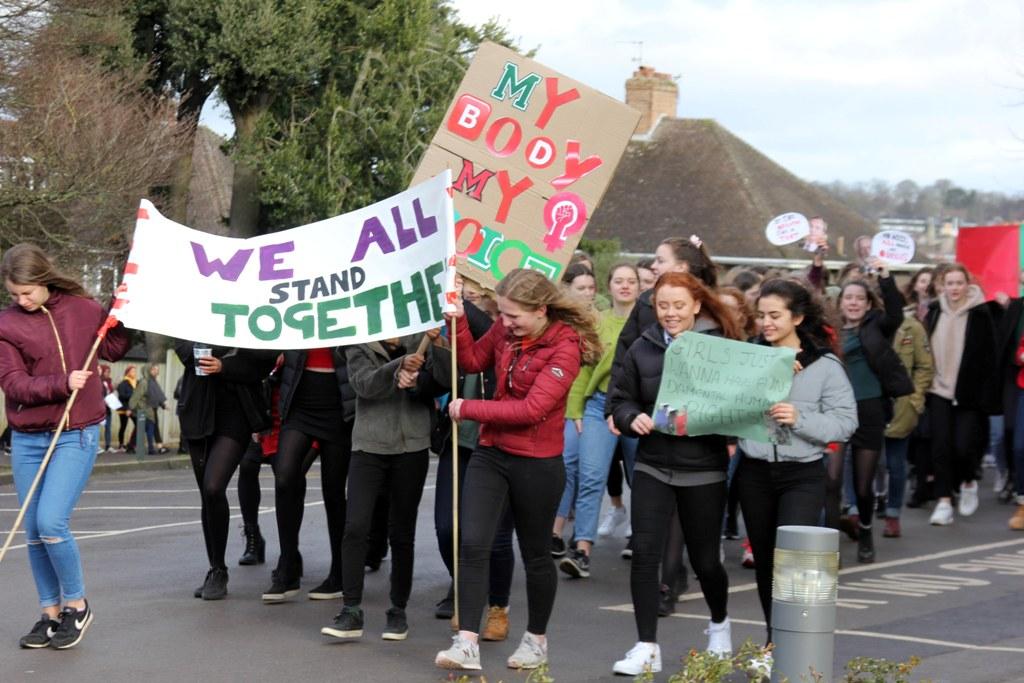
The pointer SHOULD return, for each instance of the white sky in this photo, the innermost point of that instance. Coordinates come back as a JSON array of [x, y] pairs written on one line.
[[831, 89]]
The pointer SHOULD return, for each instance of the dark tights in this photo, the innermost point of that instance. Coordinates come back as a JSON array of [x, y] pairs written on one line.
[[214, 461], [673, 571], [865, 462], [290, 490], [833, 487], [249, 493]]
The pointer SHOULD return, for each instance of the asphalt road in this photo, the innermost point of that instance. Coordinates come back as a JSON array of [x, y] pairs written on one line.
[[953, 596]]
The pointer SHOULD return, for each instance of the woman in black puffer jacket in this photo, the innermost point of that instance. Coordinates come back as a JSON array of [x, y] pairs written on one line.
[[683, 473]]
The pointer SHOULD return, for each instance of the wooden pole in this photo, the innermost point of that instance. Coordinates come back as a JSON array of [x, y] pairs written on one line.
[[455, 471], [53, 444]]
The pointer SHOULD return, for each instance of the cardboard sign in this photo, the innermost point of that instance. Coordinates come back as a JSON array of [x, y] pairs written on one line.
[[787, 229], [711, 385], [531, 153], [379, 272], [893, 246], [817, 237]]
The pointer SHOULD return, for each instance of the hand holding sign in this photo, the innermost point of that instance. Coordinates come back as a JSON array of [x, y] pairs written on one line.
[[893, 246]]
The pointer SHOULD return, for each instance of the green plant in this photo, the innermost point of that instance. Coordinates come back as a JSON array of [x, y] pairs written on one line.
[[871, 670]]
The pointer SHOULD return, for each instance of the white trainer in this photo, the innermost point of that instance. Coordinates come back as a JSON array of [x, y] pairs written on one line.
[[760, 667], [968, 504], [462, 655], [613, 519], [719, 638], [942, 515], [531, 653], [642, 658]]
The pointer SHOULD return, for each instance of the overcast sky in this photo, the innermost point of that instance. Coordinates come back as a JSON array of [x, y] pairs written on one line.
[[831, 89]]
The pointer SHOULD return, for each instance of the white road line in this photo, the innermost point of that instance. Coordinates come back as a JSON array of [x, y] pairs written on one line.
[[845, 632], [884, 565], [92, 508]]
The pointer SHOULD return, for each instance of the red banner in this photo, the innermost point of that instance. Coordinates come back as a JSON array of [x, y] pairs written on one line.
[[993, 255]]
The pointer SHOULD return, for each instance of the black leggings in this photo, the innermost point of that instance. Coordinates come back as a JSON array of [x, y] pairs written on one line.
[[774, 495], [532, 488], [503, 558], [865, 462], [958, 436], [700, 509], [402, 475], [124, 426], [616, 473], [293, 461], [214, 461]]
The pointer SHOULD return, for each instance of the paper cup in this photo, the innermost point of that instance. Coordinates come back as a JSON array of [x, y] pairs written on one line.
[[201, 352]]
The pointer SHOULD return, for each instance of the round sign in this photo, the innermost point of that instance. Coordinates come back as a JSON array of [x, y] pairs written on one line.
[[893, 246], [787, 228]]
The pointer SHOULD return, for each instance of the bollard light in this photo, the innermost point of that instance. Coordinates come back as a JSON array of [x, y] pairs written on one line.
[[805, 585]]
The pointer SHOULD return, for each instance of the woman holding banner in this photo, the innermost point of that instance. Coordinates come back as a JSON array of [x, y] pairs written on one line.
[[221, 405], [45, 339], [536, 349], [784, 483], [682, 473]]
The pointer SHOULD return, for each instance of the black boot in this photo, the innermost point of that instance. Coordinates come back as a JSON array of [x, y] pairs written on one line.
[[255, 546], [865, 546]]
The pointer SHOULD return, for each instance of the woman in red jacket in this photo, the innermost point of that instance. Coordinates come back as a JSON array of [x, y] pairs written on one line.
[[536, 349], [45, 337]]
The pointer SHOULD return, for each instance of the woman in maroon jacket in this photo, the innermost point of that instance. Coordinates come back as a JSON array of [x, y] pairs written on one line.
[[536, 349], [45, 337]]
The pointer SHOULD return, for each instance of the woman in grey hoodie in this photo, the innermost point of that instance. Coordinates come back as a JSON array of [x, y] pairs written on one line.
[[783, 483]]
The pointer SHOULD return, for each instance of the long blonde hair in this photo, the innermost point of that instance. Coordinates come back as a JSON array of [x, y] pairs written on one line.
[[531, 290]]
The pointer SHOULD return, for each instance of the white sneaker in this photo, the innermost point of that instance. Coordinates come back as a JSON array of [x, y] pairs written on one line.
[[642, 658], [531, 653], [719, 638], [1000, 482], [942, 515], [613, 519], [988, 461], [463, 654], [968, 504], [760, 667]]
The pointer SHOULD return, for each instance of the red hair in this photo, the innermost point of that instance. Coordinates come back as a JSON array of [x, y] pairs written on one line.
[[709, 303]]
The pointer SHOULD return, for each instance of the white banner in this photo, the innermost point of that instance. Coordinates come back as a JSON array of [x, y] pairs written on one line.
[[383, 271]]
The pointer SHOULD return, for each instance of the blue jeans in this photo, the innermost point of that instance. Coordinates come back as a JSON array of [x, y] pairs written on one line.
[[896, 463], [596, 450], [1018, 448], [571, 457], [52, 551]]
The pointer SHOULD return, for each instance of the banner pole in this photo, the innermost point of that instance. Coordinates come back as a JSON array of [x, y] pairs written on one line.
[[455, 472], [53, 442]]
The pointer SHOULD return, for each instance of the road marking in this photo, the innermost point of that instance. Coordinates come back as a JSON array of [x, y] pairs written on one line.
[[845, 632], [883, 565], [124, 507]]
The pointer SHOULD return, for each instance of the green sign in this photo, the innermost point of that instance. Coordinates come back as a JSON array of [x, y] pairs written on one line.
[[712, 385]]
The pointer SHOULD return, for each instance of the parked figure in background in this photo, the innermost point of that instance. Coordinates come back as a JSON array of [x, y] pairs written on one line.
[[125, 389], [108, 422], [965, 389], [45, 338], [147, 399]]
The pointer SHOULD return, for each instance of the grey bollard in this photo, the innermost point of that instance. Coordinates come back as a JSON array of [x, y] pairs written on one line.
[[804, 591]]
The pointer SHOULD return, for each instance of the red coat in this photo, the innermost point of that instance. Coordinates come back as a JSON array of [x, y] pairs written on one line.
[[527, 415], [32, 376]]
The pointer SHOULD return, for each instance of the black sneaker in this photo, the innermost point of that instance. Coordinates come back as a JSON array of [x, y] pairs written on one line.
[[72, 627], [576, 564], [446, 607], [557, 547], [198, 592], [348, 624], [398, 627], [627, 552], [330, 589], [216, 586], [281, 588], [40, 634], [666, 602]]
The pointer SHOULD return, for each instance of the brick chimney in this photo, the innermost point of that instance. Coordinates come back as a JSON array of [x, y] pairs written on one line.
[[653, 94]]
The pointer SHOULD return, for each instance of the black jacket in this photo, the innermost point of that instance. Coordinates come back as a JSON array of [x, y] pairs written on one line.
[[640, 318], [636, 391], [876, 333], [1008, 368], [242, 377], [291, 374], [978, 385]]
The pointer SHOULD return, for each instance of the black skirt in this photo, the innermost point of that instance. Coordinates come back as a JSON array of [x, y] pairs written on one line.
[[871, 420], [316, 409]]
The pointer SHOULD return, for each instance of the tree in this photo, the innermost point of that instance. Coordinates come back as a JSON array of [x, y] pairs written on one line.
[[357, 137]]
